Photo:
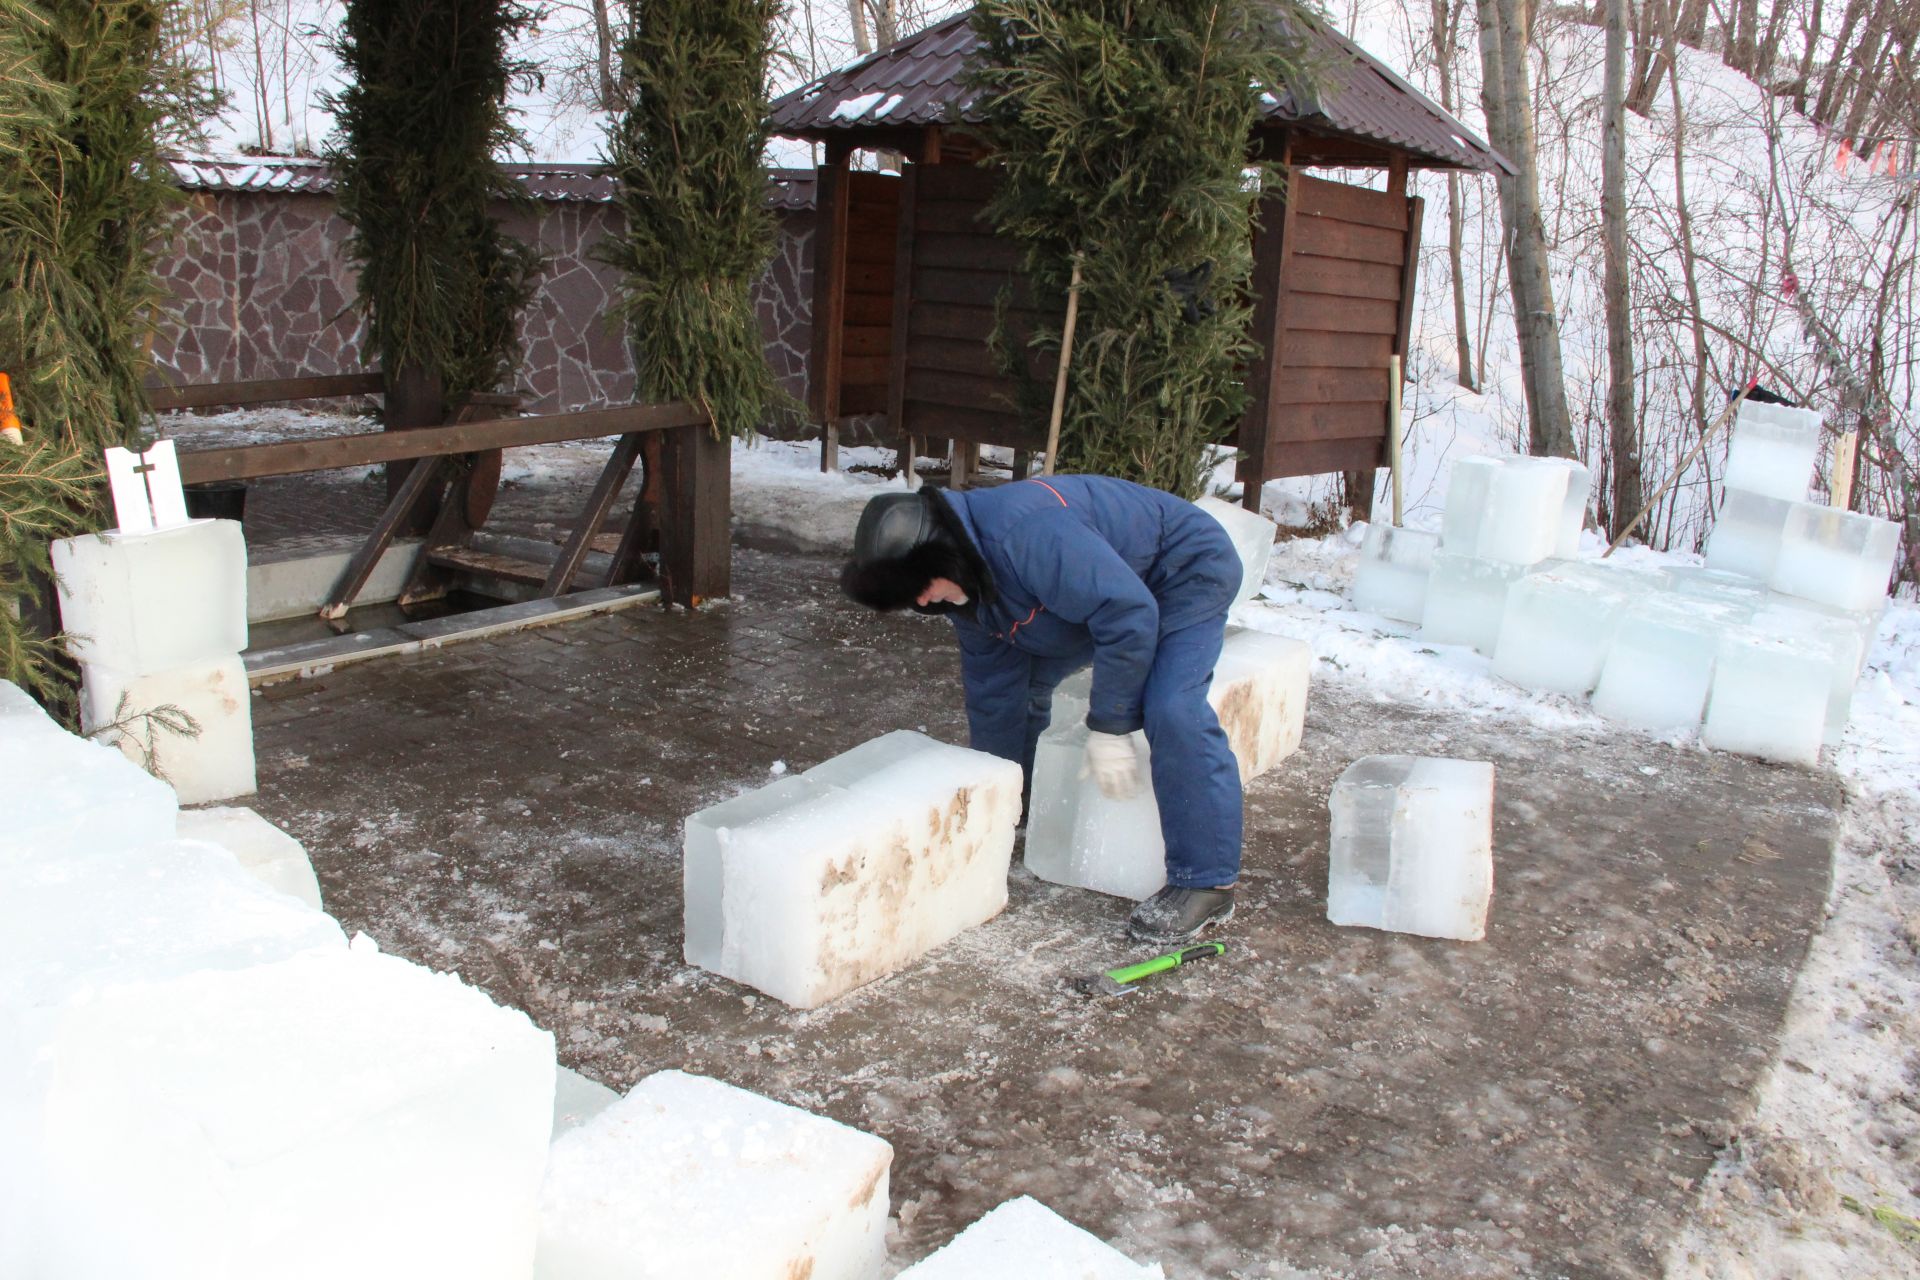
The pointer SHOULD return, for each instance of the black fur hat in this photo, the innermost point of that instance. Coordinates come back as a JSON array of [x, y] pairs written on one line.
[[904, 541]]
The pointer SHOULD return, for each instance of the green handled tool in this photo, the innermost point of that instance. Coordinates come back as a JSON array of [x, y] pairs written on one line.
[[1118, 982]]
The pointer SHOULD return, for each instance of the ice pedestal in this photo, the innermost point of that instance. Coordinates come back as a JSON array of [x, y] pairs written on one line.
[[266, 852], [343, 1114], [1026, 1239], [1466, 600], [1836, 558], [1556, 631], [1252, 535], [1412, 846], [1769, 698], [688, 1177], [1660, 665], [824, 882], [214, 763], [1511, 510], [1391, 579], [1746, 537], [1077, 836], [64, 792], [150, 602], [1773, 450]]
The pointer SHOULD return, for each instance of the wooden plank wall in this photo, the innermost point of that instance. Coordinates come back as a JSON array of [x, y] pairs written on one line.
[[1341, 275], [873, 209], [947, 385]]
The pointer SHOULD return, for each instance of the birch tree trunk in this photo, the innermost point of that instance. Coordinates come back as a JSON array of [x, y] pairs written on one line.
[[1446, 41], [1623, 443], [1509, 109]]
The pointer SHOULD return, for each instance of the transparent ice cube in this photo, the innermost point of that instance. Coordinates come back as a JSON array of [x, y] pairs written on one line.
[[1412, 846]]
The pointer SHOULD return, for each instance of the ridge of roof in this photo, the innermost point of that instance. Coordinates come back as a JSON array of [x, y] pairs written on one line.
[[551, 183]]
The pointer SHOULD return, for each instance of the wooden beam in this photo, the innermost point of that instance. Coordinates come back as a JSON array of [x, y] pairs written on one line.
[[696, 547], [593, 515], [902, 299], [207, 395], [249, 462], [419, 483]]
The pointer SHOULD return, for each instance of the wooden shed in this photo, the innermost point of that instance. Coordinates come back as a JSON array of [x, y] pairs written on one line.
[[907, 273]]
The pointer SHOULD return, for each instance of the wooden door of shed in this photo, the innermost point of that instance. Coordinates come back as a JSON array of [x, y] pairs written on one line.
[[1334, 273]]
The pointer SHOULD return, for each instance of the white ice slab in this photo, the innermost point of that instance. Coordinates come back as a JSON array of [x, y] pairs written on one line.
[[150, 602], [1745, 538], [1841, 639], [343, 1114], [1252, 535], [214, 764], [824, 882], [1412, 846], [1467, 600], [66, 793], [1769, 698], [1660, 665], [689, 1177], [1841, 559], [1717, 586], [1077, 836], [1395, 564], [1556, 631], [1509, 509], [266, 852], [1023, 1238], [1469, 489], [1773, 450], [1573, 509]]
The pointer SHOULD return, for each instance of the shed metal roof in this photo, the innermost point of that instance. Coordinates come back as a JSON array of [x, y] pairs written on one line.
[[552, 183], [917, 82]]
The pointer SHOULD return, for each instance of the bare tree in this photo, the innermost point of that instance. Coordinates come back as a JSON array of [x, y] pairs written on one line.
[[1622, 429], [1504, 27], [1445, 46]]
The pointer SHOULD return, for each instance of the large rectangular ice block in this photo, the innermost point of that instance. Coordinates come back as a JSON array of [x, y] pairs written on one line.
[[1077, 836], [1745, 538], [143, 603], [341, 1114], [1252, 535], [1026, 1239], [1660, 665], [1556, 631], [1841, 639], [1841, 559], [1573, 508], [1467, 600], [64, 792], [1769, 697], [266, 852], [1391, 579], [1412, 846], [1509, 509], [1717, 586], [215, 761], [687, 1176], [1773, 450], [827, 881]]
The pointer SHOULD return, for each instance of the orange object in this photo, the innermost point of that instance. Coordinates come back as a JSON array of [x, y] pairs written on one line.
[[9, 424]]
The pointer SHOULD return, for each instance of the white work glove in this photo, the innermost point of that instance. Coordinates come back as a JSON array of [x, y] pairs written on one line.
[[1114, 764]]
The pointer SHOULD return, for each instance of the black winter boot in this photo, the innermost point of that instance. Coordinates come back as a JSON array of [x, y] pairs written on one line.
[[1173, 916]]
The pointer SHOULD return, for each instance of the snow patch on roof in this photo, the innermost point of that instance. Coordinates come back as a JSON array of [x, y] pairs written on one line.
[[854, 108]]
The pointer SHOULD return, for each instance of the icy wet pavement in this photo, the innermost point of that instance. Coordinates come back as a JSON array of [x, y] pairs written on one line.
[[1354, 1102]]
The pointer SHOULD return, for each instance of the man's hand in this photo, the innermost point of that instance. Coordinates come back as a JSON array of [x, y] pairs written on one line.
[[1114, 764]]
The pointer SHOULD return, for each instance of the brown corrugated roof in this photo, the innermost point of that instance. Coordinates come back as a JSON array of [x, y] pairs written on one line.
[[556, 183], [916, 82]]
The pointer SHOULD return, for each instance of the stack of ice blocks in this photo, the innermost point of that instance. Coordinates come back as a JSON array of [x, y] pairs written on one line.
[[1077, 836], [687, 1176], [199, 1077], [827, 880], [1252, 535], [1412, 846], [158, 620], [1504, 515]]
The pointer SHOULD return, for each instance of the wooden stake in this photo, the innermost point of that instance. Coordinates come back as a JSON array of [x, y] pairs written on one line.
[[1060, 377], [1840, 488], [1394, 441]]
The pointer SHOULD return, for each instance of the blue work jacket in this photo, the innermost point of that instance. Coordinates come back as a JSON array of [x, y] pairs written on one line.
[[1085, 568]]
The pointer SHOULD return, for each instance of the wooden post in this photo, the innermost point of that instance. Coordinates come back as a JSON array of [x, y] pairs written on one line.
[[696, 549], [1060, 373], [1394, 441], [963, 464], [415, 397], [829, 300], [1846, 454], [1271, 245], [830, 446]]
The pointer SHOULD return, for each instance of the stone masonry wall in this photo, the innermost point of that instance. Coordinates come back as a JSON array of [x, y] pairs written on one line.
[[262, 287]]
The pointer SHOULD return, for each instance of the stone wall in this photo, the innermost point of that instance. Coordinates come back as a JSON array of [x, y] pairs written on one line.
[[263, 288]]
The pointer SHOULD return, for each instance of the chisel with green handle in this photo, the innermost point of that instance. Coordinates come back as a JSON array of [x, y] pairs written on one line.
[[1118, 982]]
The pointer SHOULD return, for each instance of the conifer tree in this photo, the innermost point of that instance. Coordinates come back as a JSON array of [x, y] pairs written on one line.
[[692, 184], [421, 125], [1122, 129], [88, 103]]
